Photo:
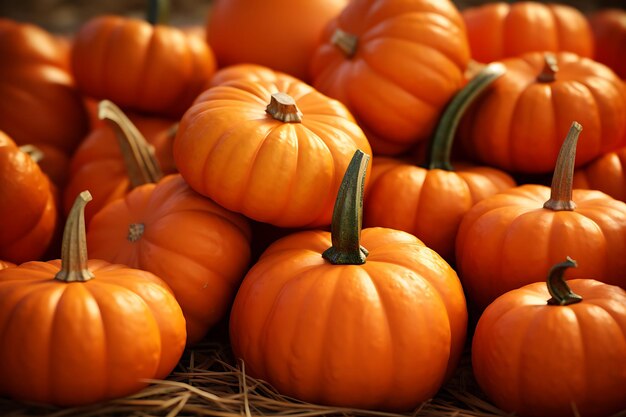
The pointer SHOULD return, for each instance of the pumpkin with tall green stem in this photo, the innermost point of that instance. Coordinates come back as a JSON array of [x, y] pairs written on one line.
[[434, 198], [554, 349], [317, 307]]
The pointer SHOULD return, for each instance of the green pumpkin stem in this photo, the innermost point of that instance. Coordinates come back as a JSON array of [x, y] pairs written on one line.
[[283, 107], [34, 152], [346, 224], [563, 177], [345, 41], [561, 293], [550, 69], [74, 261], [141, 164], [443, 138], [158, 12]]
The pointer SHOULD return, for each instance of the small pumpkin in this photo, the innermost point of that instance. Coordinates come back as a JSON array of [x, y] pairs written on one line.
[[53, 162], [274, 151], [317, 307], [499, 30], [555, 349], [394, 64], [94, 330], [606, 173], [518, 123], [609, 33], [251, 72], [510, 239]]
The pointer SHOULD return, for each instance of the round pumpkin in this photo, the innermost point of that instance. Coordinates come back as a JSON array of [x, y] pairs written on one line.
[[394, 64], [144, 68], [519, 123], [95, 331], [317, 307], [606, 173], [526, 229], [609, 33], [500, 30], [273, 151], [554, 350], [251, 72], [53, 162], [198, 248]]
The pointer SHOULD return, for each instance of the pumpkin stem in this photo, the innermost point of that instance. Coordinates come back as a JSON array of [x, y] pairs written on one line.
[[550, 68], [74, 265], [141, 164], [34, 152], [158, 12], [283, 107], [561, 293], [563, 177], [348, 214], [135, 231], [345, 41], [441, 143]]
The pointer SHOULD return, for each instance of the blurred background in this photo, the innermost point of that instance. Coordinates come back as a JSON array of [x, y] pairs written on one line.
[[64, 16]]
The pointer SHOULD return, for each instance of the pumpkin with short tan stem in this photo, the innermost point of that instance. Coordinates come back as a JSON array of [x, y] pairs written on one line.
[[78, 331], [274, 151], [575, 363]]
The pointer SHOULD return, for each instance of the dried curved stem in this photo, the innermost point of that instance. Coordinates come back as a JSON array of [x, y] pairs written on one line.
[[563, 177], [561, 293]]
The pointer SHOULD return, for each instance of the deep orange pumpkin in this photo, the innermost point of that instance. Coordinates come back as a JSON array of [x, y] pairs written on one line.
[[53, 162], [609, 33], [5, 264], [95, 331], [394, 64], [501, 30], [554, 350], [606, 173], [250, 72]]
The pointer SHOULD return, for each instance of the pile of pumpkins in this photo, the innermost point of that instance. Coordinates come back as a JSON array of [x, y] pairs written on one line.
[[185, 176]]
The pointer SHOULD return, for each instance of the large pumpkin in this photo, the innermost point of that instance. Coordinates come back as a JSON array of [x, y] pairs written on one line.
[[78, 331], [500, 30], [272, 150], [326, 320], [152, 69], [519, 123], [555, 350], [609, 33], [394, 64]]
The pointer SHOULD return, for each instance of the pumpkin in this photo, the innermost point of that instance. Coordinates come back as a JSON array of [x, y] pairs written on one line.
[[251, 72], [274, 151], [317, 307], [517, 125], [100, 165], [198, 248], [53, 162], [5, 264], [526, 229], [27, 205], [40, 103], [605, 174], [501, 30], [144, 68], [609, 33], [95, 331], [434, 198], [280, 34], [394, 64], [555, 349]]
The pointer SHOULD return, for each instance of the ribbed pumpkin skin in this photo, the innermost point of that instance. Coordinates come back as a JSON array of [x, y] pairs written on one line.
[[286, 174], [501, 30], [508, 240], [152, 69], [518, 124], [5, 264], [536, 359], [40, 103], [431, 203], [26, 204], [409, 61], [246, 71], [381, 335], [79, 343], [198, 248], [606, 174], [609, 31]]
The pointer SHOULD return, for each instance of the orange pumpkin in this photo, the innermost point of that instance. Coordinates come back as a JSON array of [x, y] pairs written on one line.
[[198, 248], [27, 205], [53, 162], [434, 199], [273, 151], [394, 64], [606, 173], [326, 320], [525, 230], [96, 331], [554, 350], [280, 34], [517, 125], [250, 72], [40, 103], [501, 30], [5, 264], [152, 69], [609, 33]]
